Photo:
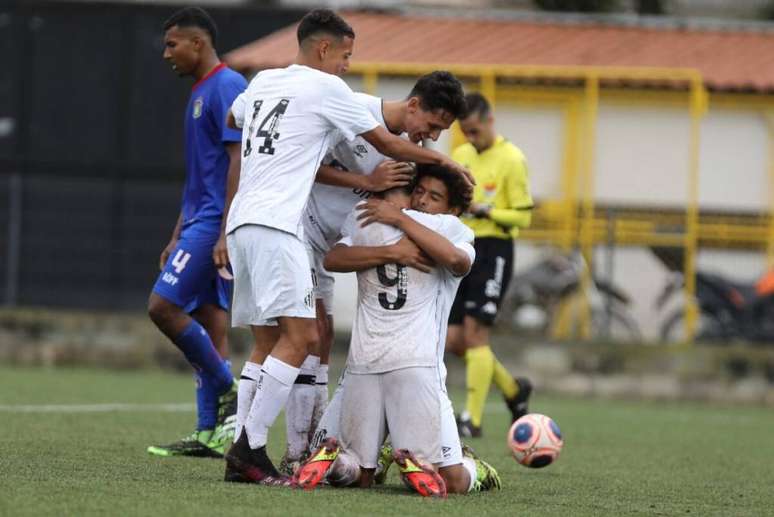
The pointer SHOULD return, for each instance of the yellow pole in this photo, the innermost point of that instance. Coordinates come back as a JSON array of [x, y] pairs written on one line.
[[769, 116], [563, 318], [570, 169], [370, 80], [698, 106], [591, 99], [489, 86]]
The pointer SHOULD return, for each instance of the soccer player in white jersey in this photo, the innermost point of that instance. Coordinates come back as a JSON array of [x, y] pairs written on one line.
[[355, 169], [395, 373], [288, 117]]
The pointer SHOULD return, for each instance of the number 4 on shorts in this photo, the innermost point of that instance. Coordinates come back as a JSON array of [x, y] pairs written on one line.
[[179, 261]]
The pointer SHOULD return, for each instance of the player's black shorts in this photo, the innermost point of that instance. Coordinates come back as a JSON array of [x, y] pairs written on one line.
[[480, 292]]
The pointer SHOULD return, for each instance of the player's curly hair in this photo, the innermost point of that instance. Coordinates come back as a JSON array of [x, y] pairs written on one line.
[[325, 21], [193, 17], [460, 193], [440, 90], [476, 104]]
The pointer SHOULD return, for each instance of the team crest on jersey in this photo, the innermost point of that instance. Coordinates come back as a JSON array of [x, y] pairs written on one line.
[[360, 150], [197, 107]]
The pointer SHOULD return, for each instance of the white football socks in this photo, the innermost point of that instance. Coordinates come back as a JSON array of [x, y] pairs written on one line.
[[321, 398], [322, 373], [271, 394], [245, 395], [329, 424], [470, 466], [300, 408]]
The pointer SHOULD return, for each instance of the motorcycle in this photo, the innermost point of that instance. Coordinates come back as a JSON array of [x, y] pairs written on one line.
[[729, 311], [547, 297]]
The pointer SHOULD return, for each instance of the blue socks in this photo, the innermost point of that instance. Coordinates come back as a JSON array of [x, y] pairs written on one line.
[[206, 402], [213, 376]]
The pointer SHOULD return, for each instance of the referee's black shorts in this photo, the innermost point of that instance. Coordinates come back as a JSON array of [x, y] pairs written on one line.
[[482, 290]]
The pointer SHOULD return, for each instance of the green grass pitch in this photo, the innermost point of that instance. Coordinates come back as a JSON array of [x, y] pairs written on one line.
[[620, 458]]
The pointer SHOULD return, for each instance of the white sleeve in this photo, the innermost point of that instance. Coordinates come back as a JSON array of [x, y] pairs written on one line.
[[328, 158], [238, 109], [343, 111], [450, 228], [457, 231], [434, 222], [348, 229], [471, 252], [462, 237]]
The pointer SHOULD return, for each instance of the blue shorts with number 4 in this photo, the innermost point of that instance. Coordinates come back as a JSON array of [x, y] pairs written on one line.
[[189, 278]]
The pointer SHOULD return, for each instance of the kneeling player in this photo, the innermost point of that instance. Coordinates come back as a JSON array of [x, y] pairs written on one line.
[[395, 373]]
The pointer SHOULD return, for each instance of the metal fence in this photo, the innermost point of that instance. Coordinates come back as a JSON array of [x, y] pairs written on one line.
[[91, 147]]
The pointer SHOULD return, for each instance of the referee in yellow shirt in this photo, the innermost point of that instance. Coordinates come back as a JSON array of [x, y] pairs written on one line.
[[501, 205]]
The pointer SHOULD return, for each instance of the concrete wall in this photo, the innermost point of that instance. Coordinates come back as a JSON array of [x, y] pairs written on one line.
[[641, 160]]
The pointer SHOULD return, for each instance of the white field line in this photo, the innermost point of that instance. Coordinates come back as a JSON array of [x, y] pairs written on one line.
[[118, 406], [95, 408]]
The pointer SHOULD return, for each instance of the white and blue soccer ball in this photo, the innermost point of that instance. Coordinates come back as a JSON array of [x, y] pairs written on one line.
[[535, 440]]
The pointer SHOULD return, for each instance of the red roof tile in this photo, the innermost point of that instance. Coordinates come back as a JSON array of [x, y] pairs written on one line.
[[729, 61]]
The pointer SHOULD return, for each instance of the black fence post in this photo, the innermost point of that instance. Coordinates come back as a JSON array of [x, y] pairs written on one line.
[[15, 193]]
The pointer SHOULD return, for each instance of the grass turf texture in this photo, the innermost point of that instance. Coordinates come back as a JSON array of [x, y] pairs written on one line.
[[620, 458]]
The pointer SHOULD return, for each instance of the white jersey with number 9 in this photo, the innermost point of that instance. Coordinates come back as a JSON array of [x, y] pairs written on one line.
[[402, 313]]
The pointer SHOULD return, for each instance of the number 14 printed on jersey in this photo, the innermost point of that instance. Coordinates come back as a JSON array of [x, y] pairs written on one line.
[[270, 133]]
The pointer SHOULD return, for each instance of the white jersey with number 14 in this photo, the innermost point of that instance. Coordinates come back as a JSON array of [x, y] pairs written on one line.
[[289, 118]]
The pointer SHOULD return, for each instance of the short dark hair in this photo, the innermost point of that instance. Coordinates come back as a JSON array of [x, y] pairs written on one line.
[[406, 189], [459, 192], [325, 21], [440, 90], [477, 103], [193, 17]]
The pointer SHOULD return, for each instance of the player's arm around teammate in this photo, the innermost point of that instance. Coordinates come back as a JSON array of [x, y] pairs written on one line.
[[437, 248], [388, 174], [350, 259], [502, 205]]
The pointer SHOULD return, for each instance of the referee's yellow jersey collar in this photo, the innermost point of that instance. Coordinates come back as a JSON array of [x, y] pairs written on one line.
[[497, 141]]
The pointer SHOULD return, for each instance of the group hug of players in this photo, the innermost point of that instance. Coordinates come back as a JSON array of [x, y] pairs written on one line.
[[292, 177]]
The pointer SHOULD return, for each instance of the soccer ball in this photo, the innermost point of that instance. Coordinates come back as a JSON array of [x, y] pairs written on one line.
[[535, 440]]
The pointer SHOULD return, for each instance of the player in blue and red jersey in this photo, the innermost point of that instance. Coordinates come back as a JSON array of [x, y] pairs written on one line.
[[190, 299]]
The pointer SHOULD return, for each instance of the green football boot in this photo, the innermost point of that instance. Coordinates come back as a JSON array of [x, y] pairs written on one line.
[[223, 435], [197, 444], [383, 464], [227, 405], [487, 477]]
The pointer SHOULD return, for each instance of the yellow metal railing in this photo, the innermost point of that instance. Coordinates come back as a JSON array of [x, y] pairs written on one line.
[[573, 220]]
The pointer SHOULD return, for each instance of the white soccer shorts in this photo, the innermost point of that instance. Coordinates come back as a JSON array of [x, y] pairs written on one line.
[[271, 276], [451, 448], [405, 401], [321, 278]]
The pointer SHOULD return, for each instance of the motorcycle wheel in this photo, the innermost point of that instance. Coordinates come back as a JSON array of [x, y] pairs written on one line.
[[622, 328], [708, 329]]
